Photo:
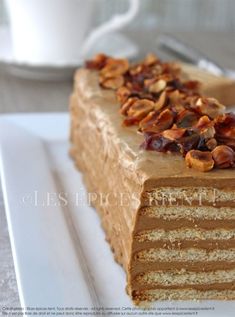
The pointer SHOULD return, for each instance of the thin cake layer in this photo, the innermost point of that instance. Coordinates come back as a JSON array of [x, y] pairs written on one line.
[[153, 242], [190, 212], [182, 294], [186, 234], [183, 277]]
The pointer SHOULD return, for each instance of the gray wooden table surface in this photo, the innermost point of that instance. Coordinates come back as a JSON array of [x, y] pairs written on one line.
[[24, 95]]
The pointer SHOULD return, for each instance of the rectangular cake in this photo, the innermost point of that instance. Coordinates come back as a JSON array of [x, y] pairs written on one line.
[[171, 227]]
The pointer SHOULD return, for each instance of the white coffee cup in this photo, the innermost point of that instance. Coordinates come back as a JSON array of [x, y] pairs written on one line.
[[57, 31]]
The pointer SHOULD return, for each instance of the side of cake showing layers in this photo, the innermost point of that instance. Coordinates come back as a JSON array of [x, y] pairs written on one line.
[[108, 172], [172, 228], [183, 244]]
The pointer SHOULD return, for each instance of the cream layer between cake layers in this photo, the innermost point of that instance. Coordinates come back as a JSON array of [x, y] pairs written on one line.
[[170, 227]]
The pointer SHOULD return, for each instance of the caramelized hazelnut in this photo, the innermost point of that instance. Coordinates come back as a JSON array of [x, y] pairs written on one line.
[[150, 59], [186, 119], [136, 69], [97, 63], [155, 122], [122, 94], [141, 105], [225, 125], [173, 134], [208, 133], [157, 86], [211, 144], [126, 106], [138, 110], [210, 107], [160, 102], [202, 161], [156, 142], [114, 67], [206, 127], [203, 123], [112, 83], [174, 96], [223, 156]]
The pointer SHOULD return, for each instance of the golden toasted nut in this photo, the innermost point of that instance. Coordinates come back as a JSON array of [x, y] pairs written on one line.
[[140, 108], [201, 161], [174, 133], [114, 67], [211, 144], [223, 156], [208, 133], [136, 69], [122, 94], [160, 102], [210, 107], [206, 127], [203, 123], [186, 119], [157, 86], [175, 96], [126, 106], [156, 122], [97, 63], [112, 83], [225, 125], [150, 59]]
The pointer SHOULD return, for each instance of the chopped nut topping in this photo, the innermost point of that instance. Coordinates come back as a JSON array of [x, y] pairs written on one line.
[[210, 107], [174, 96], [156, 122], [169, 110], [158, 86], [223, 156], [141, 105], [225, 125], [160, 102], [137, 69], [97, 63], [189, 141], [150, 59], [208, 133], [149, 120], [138, 110], [211, 144], [123, 93], [202, 161], [126, 106], [203, 123], [206, 128], [186, 119], [174, 133], [114, 67], [156, 142], [112, 82]]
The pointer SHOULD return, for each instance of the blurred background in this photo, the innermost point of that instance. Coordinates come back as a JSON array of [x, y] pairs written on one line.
[[181, 15]]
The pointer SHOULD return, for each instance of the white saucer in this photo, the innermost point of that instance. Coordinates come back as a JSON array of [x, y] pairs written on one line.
[[114, 44]]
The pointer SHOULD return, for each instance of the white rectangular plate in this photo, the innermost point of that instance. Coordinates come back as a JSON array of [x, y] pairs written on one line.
[[59, 249]]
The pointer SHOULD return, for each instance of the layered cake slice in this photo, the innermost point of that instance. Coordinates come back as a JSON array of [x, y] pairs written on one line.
[[170, 225]]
